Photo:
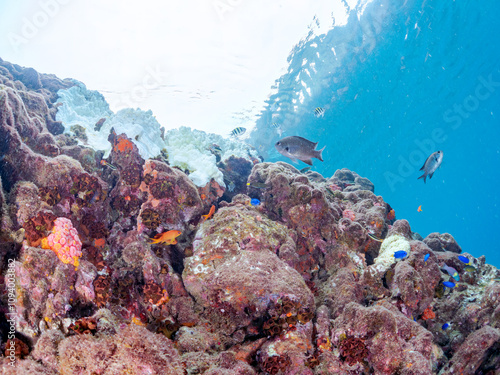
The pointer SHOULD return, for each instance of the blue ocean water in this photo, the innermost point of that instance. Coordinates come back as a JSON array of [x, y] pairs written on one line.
[[399, 81]]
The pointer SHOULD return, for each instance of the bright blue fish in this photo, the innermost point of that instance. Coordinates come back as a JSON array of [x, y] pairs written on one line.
[[426, 257], [451, 271], [254, 202], [448, 284], [445, 325], [400, 254], [464, 259]]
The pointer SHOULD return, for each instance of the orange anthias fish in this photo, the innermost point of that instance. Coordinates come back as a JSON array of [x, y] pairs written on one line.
[[210, 213], [167, 238], [419, 208]]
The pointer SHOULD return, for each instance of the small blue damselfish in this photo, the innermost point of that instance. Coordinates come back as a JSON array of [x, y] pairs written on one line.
[[254, 202], [464, 259], [445, 325], [400, 254], [448, 284], [426, 257]]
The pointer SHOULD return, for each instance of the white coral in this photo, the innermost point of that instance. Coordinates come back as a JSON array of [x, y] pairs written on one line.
[[385, 257]]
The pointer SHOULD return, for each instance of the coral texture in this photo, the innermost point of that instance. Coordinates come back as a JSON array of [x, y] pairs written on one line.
[[232, 266], [64, 241]]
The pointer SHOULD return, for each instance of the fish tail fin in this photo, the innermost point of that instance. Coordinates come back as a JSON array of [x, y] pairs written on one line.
[[319, 154], [424, 176]]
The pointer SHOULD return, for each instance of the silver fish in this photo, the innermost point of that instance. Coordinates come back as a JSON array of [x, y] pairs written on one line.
[[431, 164], [299, 148]]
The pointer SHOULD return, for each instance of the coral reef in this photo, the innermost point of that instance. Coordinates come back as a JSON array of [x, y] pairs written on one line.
[[120, 255]]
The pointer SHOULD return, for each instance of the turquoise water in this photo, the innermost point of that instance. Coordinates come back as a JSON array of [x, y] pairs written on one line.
[[404, 81]]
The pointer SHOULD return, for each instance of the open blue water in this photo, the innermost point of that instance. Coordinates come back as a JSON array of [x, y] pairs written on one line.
[[401, 82]]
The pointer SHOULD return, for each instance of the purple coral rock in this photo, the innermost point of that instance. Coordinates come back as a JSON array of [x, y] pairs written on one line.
[[389, 337], [195, 339], [227, 364], [478, 354], [171, 194], [45, 349], [133, 350], [235, 272], [341, 289], [287, 354], [351, 181], [401, 227], [442, 242]]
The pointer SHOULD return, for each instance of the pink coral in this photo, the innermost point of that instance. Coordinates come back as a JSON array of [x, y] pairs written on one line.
[[64, 241], [349, 214]]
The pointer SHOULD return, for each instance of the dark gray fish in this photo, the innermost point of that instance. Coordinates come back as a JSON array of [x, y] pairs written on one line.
[[431, 164], [299, 148], [305, 169]]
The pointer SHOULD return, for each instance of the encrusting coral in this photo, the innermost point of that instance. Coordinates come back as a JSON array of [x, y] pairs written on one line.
[[64, 241], [278, 272]]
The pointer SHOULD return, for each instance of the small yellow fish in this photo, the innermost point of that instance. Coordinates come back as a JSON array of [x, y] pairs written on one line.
[[167, 238], [419, 209]]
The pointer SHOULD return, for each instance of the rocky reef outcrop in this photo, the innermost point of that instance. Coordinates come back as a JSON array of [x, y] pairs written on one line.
[[123, 265]]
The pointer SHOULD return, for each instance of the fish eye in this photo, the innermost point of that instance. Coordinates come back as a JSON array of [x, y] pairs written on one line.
[[278, 143], [286, 149]]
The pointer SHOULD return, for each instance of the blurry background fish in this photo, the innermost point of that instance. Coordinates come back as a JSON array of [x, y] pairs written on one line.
[[236, 132], [278, 128], [319, 112]]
